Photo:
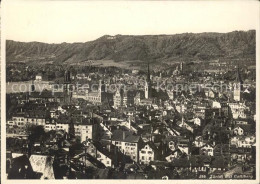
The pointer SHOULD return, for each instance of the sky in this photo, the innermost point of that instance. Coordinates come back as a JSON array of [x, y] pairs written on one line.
[[81, 21]]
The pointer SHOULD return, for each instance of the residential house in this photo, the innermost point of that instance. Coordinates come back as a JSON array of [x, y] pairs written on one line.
[[207, 149], [148, 153], [97, 151], [127, 143]]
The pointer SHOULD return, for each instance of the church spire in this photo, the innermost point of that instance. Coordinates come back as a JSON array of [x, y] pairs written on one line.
[[148, 71], [238, 77]]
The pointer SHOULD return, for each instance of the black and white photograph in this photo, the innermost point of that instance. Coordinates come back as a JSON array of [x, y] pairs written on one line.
[[120, 90]]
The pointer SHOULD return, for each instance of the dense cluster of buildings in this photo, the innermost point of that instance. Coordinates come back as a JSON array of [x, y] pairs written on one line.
[[126, 126]]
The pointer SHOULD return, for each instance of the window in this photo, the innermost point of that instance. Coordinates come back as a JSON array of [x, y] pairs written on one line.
[[142, 157], [143, 152], [150, 158], [108, 162]]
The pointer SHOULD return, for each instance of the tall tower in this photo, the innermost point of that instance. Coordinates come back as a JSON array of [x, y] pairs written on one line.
[[67, 88], [67, 77], [101, 91], [101, 87], [181, 67], [237, 86], [146, 90], [147, 86]]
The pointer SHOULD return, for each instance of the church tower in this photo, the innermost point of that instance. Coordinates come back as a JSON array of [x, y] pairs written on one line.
[[101, 91], [147, 86], [181, 67], [67, 88], [237, 86], [101, 87]]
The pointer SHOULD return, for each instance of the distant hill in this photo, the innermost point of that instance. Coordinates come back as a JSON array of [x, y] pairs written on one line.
[[186, 46]]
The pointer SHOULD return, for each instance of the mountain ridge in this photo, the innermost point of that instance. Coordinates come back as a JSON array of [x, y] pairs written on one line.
[[185, 46]]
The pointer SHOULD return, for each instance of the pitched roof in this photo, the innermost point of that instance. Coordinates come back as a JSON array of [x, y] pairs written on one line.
[[42, 164], [238, 77], [151, 145], [124, 136]]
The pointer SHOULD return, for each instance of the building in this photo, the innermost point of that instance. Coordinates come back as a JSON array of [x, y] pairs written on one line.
[[17, 120], [97, 97], [62, 126], [242, 141], [101, 154], [87, 129], [207, 150], [117, 98], [181, 67], [127, 143], [148, 153], [38, 77], [237, 86], [36, 117], [147, 87], [238, 110], [173, 154], [45, 96], [67, 87]]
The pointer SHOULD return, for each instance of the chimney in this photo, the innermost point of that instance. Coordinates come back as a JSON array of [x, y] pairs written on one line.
[[123, 135]]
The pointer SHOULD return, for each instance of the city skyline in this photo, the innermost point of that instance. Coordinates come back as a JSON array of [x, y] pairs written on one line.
[[148, 101]]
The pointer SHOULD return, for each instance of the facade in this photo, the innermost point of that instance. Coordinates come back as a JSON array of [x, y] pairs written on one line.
[[238, 110], [86, 131], [127, 143], [38, 77], [146, 89], [18, 121], [207, 150], [100, 154], [148, 153], [97, 97], [118, 100]]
